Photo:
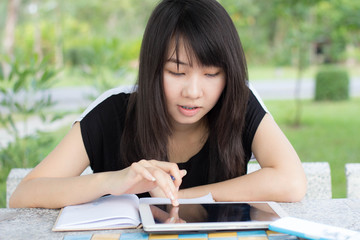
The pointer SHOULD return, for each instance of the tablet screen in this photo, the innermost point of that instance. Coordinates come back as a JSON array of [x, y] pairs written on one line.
[[199, 213]]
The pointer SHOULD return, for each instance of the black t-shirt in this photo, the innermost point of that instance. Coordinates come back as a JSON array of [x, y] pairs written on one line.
[[102, 128]]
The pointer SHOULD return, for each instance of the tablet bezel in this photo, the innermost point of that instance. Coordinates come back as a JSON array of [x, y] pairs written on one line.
[[150, 226]]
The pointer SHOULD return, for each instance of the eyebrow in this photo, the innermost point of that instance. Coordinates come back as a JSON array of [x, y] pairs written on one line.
[[173, 60]]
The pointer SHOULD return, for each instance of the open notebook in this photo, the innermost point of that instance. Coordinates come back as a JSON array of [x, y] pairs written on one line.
[[110, 212]]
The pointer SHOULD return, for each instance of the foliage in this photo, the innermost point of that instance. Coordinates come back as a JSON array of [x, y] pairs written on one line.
[[266, 28], [332, 84], [38, 146], [329, 133], [107, 68], [23, 93]]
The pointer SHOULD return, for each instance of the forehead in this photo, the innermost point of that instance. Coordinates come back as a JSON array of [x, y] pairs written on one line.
[[193, 52], [180, 51]]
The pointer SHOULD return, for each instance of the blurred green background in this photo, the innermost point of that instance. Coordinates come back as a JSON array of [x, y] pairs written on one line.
[[51, 44]]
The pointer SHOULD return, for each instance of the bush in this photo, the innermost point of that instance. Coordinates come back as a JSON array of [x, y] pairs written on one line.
[[24, 93], [332, 84], [34, 148]]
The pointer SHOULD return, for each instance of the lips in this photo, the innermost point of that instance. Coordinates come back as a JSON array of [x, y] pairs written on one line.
[[189, 108], [189, 111]]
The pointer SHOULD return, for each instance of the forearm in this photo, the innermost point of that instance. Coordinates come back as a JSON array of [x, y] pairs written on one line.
[[58, 192], [267, 184]]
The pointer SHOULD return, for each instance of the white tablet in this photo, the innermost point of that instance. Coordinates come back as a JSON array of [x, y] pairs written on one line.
[[164, 218]]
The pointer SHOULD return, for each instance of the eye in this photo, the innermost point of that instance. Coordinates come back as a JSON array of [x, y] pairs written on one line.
[[176, 73], [212, 74]]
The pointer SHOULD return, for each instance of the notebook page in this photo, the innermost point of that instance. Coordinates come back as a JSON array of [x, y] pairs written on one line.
[[108, 207]]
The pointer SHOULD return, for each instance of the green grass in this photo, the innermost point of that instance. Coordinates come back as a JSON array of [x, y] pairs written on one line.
[[329, 133], [264, 73]]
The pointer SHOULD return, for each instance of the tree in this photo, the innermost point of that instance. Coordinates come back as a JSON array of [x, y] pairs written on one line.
[[9, 35], [298, 16], [301, 22]]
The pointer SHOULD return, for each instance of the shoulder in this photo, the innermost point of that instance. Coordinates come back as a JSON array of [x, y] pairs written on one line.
[[115, 99], [255, 109], [255, 113], [102, 125], [255, 99]]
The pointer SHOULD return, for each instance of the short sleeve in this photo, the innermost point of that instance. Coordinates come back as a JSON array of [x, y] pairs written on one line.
[[101, 130], [254, 114]]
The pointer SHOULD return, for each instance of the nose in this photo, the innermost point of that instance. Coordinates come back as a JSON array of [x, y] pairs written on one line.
[[193, 87]]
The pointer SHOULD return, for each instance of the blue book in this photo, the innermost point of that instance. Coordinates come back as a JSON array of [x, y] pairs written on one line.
[[312, 230]]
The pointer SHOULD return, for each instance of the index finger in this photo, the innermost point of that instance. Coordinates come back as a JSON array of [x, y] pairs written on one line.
[[172, 169]]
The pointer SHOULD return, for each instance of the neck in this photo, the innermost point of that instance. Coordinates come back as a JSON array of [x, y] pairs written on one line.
[[190, 129], [187, 140]]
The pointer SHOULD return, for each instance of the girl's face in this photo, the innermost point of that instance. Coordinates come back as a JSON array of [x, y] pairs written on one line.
[[191, 90]]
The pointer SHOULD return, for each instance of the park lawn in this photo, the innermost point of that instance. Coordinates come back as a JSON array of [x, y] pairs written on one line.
[[266, 73], [329, 133], [281, 73]]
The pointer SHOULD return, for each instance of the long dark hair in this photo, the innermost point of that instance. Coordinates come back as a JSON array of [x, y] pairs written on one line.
[[208, 32]]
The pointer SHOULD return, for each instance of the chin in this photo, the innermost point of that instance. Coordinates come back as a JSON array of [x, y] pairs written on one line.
[[188, 121], [183, 120]]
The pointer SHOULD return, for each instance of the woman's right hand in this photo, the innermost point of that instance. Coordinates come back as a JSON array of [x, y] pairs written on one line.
[[147, 175], [56, 181]]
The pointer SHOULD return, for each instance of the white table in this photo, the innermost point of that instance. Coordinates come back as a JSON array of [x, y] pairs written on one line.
[[37, 223]]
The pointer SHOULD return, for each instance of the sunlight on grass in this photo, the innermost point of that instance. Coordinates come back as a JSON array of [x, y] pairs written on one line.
[[264, 73], [329, 133], [261, 73]]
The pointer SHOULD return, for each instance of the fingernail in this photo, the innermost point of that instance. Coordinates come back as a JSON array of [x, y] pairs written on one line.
[[151, 178], [184, 172], [171, 196], [175, 203]]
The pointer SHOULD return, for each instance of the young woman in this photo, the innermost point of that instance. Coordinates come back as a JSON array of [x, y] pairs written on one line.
[[188, 129]]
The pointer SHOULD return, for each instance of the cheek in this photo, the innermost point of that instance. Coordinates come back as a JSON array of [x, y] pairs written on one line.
[[222, 86], [218, 89], [169, 89]]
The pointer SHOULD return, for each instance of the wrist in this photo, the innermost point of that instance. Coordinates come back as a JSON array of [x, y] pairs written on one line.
[[182, 194], [104, 180]]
